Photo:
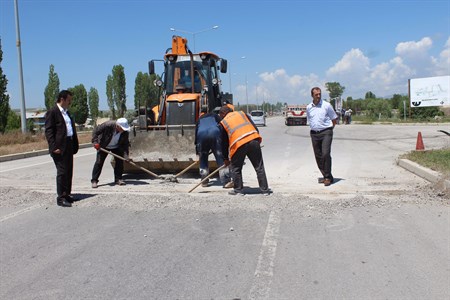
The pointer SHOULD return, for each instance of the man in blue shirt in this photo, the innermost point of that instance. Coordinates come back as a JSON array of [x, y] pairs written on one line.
[[322, 119]]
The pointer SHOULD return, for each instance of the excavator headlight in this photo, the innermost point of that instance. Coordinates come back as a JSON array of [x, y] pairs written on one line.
[[158, 83], [203, 56], [215, 81]]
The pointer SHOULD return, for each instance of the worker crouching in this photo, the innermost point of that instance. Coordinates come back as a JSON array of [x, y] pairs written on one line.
[[208, 138], [242, 139]]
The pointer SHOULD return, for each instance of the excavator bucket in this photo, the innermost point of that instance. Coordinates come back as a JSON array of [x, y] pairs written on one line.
[[166, 151]]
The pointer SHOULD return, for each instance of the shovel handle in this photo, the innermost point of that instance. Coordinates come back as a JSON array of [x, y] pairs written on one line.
[[207, 177], [186, 169], [131, 163]]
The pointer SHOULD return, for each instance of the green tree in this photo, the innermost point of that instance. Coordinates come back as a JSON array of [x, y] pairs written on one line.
[[335, 90], [13, 122], [145, 92], [142, 90], [369, 95], [109, 96], [397, 101], [119, 92], [93, 104], [377, 107], [52, 89], [420, 113], [79, 108], [4, 97]]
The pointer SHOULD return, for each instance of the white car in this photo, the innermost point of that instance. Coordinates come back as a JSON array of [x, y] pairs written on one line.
[[258, 117]]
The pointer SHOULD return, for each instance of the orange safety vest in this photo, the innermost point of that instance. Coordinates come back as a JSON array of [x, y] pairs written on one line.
[[239, 129]]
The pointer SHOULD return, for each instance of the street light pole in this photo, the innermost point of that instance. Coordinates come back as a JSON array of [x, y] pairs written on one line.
[[19, 54], [246, 91], [246, 86], [194, 33]]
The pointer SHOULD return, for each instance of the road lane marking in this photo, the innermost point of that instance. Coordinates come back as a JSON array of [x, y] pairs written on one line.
[[18, 213], [34, 165], [264, 269]]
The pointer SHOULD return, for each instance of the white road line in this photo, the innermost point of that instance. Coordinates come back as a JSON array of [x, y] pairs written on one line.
[[264, 269], [43, 163], [17, 213]]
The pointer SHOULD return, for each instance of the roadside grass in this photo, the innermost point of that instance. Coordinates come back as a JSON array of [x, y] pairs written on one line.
[[17, 142], [360, 119], [437, 160]]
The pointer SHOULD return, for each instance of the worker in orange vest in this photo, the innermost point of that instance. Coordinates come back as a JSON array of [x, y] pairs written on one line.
[[241, 139]]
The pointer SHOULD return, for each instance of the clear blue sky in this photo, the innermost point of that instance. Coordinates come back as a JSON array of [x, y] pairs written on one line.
[[289, 46]]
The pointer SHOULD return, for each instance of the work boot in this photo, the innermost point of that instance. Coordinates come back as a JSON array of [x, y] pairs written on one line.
[[205, 183], [94, 184]]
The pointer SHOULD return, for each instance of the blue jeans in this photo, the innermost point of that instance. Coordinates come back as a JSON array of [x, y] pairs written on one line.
[[214, 145]]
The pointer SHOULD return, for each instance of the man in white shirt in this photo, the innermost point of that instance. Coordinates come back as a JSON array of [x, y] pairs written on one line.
[[322, 119], [112, 136]]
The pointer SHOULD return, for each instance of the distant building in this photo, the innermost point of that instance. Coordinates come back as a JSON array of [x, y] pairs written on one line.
[[38, 119]]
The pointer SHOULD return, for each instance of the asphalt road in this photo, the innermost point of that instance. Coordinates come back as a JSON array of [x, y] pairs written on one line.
[[378, 232]]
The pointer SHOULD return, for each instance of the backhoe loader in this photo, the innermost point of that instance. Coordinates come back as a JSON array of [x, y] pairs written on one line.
[[162, 139]]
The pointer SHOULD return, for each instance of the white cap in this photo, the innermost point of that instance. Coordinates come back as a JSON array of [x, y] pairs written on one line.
[[122, 122]]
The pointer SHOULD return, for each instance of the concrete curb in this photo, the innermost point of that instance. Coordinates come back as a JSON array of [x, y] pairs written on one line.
[[32, 153], [425, 173]]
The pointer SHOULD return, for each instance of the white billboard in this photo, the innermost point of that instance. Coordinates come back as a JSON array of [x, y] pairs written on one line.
[[431, 91]]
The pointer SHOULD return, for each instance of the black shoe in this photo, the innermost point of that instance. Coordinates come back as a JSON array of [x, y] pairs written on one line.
[[266, 192], [69, 199], [328, 182], [63, 202], [236, 192]]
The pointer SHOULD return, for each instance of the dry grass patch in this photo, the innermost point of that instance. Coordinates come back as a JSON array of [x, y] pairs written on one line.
[[17, 142]]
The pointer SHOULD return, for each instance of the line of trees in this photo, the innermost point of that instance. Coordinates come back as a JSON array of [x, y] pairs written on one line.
[[372, 106], [86, 104]]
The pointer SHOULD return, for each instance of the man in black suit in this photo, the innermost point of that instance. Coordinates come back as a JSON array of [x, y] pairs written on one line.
[[62, 141]]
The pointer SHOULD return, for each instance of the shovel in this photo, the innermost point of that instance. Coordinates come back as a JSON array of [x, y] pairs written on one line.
[[131, 163], [174, 178], [207, 177]]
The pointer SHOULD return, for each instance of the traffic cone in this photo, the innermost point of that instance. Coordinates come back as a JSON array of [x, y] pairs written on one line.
[[419, 144]]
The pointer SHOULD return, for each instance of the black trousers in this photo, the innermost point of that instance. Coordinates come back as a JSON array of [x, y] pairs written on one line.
[[100, 160], [321, 143], [253, 151], [64, 170]]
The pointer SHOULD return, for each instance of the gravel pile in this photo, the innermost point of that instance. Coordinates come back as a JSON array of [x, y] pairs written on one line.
[[220, 201]]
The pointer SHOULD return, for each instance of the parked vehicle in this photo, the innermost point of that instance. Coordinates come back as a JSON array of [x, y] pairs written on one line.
[[258, 117], [295, 115]]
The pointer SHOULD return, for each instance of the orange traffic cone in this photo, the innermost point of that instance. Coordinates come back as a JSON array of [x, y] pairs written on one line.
[[419, 144]]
